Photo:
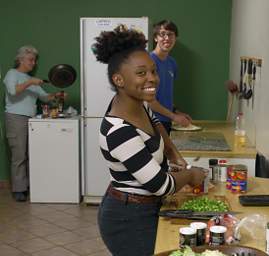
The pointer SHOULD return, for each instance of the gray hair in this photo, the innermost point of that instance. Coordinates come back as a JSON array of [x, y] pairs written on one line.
[[23, 51]]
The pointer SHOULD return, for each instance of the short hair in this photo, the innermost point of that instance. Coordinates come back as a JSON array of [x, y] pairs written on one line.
[[23, 51], [166, 24], [114, 47]]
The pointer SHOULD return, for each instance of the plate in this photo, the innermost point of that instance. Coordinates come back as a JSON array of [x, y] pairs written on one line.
[[226, 249], [190, 127]]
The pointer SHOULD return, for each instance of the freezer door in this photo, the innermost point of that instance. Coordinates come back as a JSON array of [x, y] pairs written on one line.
[[96, 173], [96, 91]]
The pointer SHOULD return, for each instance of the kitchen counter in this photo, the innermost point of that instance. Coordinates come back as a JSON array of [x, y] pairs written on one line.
[[227, 130], [167, 234]]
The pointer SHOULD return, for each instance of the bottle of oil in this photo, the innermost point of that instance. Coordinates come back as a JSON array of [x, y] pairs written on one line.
[[240, 132]]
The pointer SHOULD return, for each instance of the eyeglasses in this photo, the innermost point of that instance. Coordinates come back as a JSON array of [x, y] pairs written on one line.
[[163, 34]]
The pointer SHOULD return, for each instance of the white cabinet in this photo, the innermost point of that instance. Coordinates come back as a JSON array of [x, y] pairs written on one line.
[[54, 160]]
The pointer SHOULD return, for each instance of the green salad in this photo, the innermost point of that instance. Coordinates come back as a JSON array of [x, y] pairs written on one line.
[[201, 204], [189, 252]]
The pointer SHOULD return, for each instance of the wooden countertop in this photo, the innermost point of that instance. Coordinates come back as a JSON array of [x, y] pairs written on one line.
[[227, 129], [167, 234]]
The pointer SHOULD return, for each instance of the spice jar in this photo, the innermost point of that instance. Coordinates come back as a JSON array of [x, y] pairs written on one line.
[[213, 166], [222, 170]]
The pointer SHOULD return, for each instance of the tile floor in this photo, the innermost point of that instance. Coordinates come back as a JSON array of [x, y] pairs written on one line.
[[48, 229]]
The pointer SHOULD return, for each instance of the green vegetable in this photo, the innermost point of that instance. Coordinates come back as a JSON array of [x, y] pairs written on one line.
[[187, 251], [201, 204]]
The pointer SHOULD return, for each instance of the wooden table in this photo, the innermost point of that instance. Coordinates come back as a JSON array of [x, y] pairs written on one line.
[[167, 234]]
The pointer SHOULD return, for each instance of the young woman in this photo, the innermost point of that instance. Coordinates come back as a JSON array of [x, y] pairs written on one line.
[[135, 146]]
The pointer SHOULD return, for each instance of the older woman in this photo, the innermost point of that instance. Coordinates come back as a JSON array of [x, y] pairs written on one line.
[[22, 91]]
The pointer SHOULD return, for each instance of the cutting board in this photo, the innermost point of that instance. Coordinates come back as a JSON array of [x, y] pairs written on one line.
[[202, 141]]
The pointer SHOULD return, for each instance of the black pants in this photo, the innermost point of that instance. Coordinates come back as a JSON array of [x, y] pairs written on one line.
[[128, 229]]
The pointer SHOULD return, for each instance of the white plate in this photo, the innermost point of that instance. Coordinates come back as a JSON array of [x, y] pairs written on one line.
[[191, 127]]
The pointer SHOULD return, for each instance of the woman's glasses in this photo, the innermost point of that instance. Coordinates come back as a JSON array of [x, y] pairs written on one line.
[[164, 34]]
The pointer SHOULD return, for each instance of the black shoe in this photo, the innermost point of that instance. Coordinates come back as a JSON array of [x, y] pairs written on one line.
[[20, 196], [26, 193]]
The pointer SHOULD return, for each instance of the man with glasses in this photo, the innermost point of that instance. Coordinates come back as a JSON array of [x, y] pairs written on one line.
[[165, 33]]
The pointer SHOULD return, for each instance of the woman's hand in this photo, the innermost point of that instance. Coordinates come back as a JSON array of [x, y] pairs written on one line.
[[60, 94], [177, 164], [35, 81], [182, 119], [198, 175]]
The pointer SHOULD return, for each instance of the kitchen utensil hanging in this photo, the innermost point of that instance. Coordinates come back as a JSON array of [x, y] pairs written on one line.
[[248, 70], [246, 92], [253, 83], [61, 75]]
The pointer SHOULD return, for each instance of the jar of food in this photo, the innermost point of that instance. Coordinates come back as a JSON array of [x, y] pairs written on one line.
[[54, 112], [187, 236], [229, 178], [217, 235], [45, 110], [238, 176]]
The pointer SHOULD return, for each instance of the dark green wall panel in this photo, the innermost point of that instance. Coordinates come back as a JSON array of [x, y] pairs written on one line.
[[202, 51]]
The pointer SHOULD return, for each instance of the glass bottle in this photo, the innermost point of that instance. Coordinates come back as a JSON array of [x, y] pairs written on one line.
[[61, 102], [240, 132]]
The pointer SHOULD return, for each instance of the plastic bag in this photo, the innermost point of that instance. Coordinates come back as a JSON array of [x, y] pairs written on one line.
[[254, 225]]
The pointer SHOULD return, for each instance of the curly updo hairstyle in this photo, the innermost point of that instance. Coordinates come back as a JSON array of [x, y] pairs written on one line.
[[114, 47]]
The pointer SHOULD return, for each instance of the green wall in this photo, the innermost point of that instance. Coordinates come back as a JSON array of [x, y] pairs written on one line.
[[52, 26]]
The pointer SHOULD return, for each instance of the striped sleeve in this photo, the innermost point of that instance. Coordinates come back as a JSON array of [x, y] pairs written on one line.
[[126, 145]]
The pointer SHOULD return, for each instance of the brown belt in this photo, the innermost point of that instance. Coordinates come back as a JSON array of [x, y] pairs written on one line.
[[132, 198]]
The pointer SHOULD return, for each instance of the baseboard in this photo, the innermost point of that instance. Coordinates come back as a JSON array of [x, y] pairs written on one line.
[[4, 184], [92, 200]]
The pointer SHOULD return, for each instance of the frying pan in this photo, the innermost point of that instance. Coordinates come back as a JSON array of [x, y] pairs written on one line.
[[61, 75]]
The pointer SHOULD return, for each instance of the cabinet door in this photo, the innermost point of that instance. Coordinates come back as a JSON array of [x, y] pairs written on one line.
[[54, 161]]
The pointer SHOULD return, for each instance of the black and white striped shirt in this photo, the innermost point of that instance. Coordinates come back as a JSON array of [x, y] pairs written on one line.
[[135, 158]]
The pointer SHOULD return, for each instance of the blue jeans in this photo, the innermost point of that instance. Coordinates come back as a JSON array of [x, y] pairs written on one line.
[[128, 229]]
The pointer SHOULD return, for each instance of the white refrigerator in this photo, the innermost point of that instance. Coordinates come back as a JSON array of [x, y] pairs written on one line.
[[95, 97]]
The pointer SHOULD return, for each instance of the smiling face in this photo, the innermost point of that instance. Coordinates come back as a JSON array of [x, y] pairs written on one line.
[[27, 63], [137, 77], [165, 40]]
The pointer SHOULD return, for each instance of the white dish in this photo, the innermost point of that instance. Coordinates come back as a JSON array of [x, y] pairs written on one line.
[[190, 127]]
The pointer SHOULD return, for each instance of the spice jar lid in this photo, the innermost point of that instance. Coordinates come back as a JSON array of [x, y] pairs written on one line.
[[213, 161], [218, 229], [187, 231]]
